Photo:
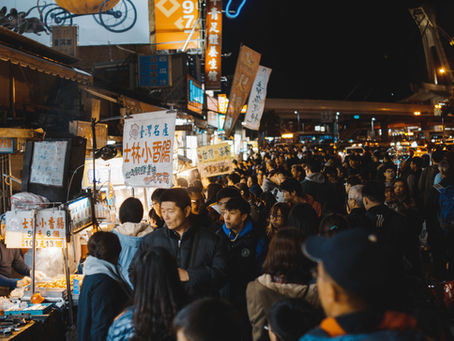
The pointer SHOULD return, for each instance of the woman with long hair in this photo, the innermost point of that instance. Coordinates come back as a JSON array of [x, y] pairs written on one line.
[[278, 218], [286, 274], [158, 296]]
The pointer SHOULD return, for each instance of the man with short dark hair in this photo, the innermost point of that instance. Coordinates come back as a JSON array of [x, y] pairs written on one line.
[[272, 181], [293, 194], [200, 254], [391, 227], [246, 252], [352, 279]]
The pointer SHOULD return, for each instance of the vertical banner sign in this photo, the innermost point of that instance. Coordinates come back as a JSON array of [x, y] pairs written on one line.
[[174, 21], [148, 149], [245, 71], [213, 45], [257, 98], [215, 159]]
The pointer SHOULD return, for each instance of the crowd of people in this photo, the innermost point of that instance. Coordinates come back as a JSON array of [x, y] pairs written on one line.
[[293, 244]]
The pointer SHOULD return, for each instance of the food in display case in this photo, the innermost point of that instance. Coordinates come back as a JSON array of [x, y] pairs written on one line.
[[60, 283]]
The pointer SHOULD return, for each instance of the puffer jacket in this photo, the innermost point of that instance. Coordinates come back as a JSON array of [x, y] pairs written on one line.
[[263, 292], [130, 236]]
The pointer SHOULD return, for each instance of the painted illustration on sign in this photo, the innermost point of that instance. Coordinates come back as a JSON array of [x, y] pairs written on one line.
[[99, 22], [48, 164], [257, 99], [148, 149], [215, 159], [50, 228]]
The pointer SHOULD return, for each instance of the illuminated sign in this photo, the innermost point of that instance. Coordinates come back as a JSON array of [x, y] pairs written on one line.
[[213, 45], [174, 21], [223, 104], [195, 96]]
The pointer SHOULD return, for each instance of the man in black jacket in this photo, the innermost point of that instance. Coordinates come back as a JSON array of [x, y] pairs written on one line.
[[355, 208], [390, 227], [200, 253]]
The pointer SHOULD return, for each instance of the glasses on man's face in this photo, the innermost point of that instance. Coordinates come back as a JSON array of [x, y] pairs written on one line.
[[278, 216]]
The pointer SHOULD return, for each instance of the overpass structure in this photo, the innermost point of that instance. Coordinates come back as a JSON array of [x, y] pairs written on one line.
[[302, 115]]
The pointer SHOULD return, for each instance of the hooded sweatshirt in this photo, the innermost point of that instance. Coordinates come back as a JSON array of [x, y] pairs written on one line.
[[130, 235]]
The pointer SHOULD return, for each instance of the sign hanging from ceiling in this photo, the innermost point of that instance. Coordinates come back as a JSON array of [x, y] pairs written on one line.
[[148, 149], [174, 23], [257, 99], [245, 71], [213, 45], [195, 95]]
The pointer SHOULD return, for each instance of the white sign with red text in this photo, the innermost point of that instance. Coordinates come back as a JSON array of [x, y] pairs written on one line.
[[148, 149]]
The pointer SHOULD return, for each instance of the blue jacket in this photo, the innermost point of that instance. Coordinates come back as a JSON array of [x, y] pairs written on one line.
[[122, 328], [130, 236]]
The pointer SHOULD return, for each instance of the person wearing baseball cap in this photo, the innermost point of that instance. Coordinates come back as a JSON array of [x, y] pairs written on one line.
[[352, 276]]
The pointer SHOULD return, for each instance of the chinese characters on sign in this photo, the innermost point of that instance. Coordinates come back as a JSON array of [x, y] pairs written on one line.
[[148, 149], [257, 99], [245, 71], [213, 45], [174, 21], [7, 145], [215, 159], [50, 229]]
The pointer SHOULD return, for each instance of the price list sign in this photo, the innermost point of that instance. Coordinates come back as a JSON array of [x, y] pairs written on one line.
[[50, 229]]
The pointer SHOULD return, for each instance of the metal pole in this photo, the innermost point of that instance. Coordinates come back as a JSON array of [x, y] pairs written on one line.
[[93, 202], [35, 214], [68, 285]]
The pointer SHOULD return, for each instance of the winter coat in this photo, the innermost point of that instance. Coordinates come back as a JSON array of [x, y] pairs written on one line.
[[263, 292], [103, 296], [199, 251], [392, 325], [130, 236], [246, 253]]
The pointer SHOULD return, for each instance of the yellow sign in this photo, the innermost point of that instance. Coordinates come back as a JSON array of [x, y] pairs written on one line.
[[174, 23], [215, 159]]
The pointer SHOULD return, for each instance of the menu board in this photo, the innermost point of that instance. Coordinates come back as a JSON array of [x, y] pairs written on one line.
[[48, 163], [50, 228]]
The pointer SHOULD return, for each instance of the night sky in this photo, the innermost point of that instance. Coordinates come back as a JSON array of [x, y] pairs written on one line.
[[360, 51]]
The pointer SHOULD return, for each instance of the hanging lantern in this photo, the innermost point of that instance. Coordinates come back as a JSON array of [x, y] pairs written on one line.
[[87, 6]]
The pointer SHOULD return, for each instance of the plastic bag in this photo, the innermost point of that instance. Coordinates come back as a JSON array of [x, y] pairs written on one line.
[[28, 201]]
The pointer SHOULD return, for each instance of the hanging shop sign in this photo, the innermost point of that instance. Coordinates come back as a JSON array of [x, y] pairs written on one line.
[[215, 159], [245, 71], [257, 99], [195, 95], [174, 23], [7, 145], [148, 149], [154, 71], [50, 228], [213, 45]]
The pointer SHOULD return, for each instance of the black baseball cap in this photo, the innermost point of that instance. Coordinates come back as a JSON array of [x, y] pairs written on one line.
[[352, 258]]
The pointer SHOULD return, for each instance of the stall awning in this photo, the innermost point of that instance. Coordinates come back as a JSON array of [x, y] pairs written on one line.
[[132, 105], [50, 67]]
